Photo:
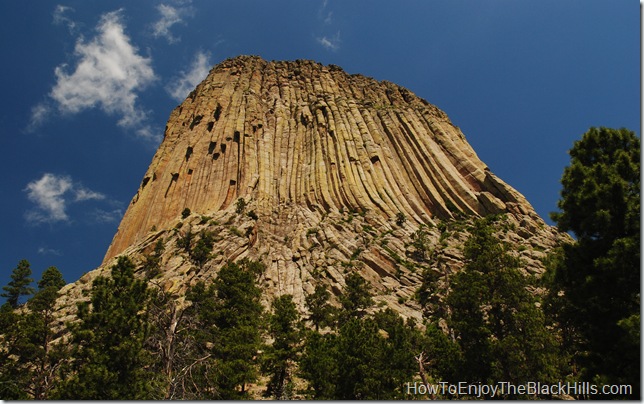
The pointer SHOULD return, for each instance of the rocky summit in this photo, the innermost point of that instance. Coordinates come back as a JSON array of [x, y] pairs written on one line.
[[316, 173]]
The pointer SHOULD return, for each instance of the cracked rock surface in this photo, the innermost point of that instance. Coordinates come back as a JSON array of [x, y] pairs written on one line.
[[327, 162]]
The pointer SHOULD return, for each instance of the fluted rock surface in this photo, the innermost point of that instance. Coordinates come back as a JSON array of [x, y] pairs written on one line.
[[303, 134], [330, 164]]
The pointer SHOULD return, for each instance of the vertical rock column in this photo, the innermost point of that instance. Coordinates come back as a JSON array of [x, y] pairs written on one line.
[[303, 134]]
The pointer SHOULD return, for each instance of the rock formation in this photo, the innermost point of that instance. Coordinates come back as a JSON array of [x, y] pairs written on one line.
[[339, 172]]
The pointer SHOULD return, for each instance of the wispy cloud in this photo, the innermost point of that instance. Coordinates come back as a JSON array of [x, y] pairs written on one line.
[[331, 43], [49, 251], [325, 22], [104, 216], [170, 15], [39, 114], [61, 18], [84, 194], [107, 75], [181, 86], [51, 194], [325, 15]]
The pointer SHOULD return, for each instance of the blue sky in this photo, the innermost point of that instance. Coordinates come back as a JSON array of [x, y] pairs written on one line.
[[87, 87]]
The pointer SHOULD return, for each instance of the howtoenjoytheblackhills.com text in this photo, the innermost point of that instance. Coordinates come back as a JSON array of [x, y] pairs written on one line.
[[504, 389]]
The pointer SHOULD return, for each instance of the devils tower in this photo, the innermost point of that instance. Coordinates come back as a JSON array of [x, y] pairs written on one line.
[[310, 136], [316, 173]]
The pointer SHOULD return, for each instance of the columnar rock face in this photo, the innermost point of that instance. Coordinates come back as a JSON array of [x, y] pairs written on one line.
[[337, 173], [303, 134]]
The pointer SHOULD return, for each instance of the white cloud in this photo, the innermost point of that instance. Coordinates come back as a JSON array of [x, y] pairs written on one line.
[[47, 193], [147, 133], [188, 80], [51, 194], [330, 43], [103, 216], [170, 16], [84, 194], [49, 251], [324, 15], [329, 18], [107, 75], [60, 17], [39, 114]]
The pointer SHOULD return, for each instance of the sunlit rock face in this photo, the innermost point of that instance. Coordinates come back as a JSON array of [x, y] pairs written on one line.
[[339, 172], [307, 135]]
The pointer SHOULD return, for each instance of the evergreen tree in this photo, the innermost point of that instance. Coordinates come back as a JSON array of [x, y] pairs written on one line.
[[16, 349], [360, 350], [152, 262], [185, 242], [109, 359], [197, 370], [319, 365], [51, 277], [596, 284], [19, 284], [442, 355], [367, 357], [38, 327], [500, 331], [240, 206], [420, 242], [430, 295], [167, 342], [237, 317], [318, 304], [400, 341], [12, 377], [285, 329], [225, 327], [29, 359], [202, 250], [356, 297]]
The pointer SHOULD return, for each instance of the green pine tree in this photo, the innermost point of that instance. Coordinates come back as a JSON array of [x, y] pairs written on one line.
[[596, 282], [285, 329], [500, 330], [109, 360], [322, 312], [29, 359], [13, 379], [356, 297], [196, 371], [238, 315], [51, 277], [441, 355], [202, 250], [224, 332], [400, 340], [366, 357], [39, 326], [359, 359], [375, 357], [19, 284], [152, 262], [318, 365]]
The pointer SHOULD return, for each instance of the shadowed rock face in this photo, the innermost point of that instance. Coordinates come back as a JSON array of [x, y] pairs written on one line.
[[303, 134], [330, 164]]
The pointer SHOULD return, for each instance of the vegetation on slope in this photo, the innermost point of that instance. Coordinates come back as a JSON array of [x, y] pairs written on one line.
[[490, 322]]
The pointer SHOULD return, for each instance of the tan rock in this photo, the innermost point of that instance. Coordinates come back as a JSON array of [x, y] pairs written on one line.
[[326, 161]]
